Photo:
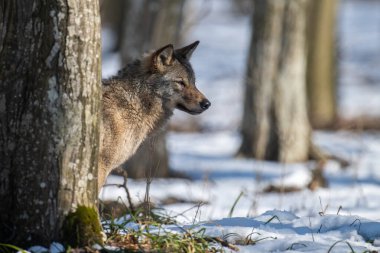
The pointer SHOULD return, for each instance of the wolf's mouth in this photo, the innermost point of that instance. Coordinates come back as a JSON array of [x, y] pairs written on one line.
[[192, 112]]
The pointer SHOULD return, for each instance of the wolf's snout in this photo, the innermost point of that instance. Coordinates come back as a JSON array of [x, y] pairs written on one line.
[[205, 104]]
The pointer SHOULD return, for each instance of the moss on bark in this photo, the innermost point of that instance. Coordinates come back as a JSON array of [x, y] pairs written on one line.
[[82, 227]]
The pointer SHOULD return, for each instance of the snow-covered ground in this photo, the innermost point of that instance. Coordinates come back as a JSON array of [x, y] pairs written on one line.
[[346, 213], [313, 221]]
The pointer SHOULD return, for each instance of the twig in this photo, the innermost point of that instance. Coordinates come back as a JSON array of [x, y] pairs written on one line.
[[147, 197], [316, 153], [131, 206], [312, 234], [222, 242], [340, 208]]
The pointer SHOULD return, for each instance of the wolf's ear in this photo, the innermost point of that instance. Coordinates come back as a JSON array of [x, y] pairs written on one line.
[[163, 57], [187, 51]]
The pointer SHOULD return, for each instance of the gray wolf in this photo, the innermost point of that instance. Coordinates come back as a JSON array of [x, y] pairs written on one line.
[[140, 99]]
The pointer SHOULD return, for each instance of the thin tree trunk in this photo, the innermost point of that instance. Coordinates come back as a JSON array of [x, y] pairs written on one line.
[[321, 70], [49, 103], [112, 15], [149, 24], [275, 124]]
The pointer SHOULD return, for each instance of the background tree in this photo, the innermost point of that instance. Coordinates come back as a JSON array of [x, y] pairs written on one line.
[[149, 25], [49, 101], [112, 15], [275, 122], [321, 63]]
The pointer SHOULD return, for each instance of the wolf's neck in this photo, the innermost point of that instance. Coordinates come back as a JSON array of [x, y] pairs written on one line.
[[143, 111], [149, 112], [146, 94]]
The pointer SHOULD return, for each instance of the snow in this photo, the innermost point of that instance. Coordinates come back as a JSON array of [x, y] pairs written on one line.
[[54, 248], [343, 215], [306, 234]]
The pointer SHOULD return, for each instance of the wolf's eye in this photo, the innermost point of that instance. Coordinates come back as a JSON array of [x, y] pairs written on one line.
[[181, 82]]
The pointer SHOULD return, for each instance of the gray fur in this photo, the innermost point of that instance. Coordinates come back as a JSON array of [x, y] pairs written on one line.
[[140, 99]]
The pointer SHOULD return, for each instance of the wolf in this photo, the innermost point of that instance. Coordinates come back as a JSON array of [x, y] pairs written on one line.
[[140, 99]]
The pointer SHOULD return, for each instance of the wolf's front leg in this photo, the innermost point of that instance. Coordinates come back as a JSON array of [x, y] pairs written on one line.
[[102, 174]]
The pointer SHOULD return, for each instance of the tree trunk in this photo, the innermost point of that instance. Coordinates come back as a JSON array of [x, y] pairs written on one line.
[[112, 15], [49, 103], [321, 70], [275, 123], [149, 25]]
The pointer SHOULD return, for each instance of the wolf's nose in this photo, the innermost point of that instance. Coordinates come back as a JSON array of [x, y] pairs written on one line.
[[205, 104]]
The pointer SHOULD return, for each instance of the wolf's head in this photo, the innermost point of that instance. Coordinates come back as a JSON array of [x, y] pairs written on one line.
[[174, 78]]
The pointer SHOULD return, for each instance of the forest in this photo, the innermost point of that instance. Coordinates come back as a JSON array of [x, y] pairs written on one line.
[[286, 159]]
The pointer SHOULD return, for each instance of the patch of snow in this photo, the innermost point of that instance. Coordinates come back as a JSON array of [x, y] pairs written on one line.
[[56, 247], [38, 249], [310, 223], [281, 231]]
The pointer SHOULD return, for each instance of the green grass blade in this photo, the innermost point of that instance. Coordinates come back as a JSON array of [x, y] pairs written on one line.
[[234, 205]]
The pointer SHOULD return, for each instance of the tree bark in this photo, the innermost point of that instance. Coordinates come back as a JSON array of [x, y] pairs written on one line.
[[49, 104], [275, 124], [149, 25], [321, 64]]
